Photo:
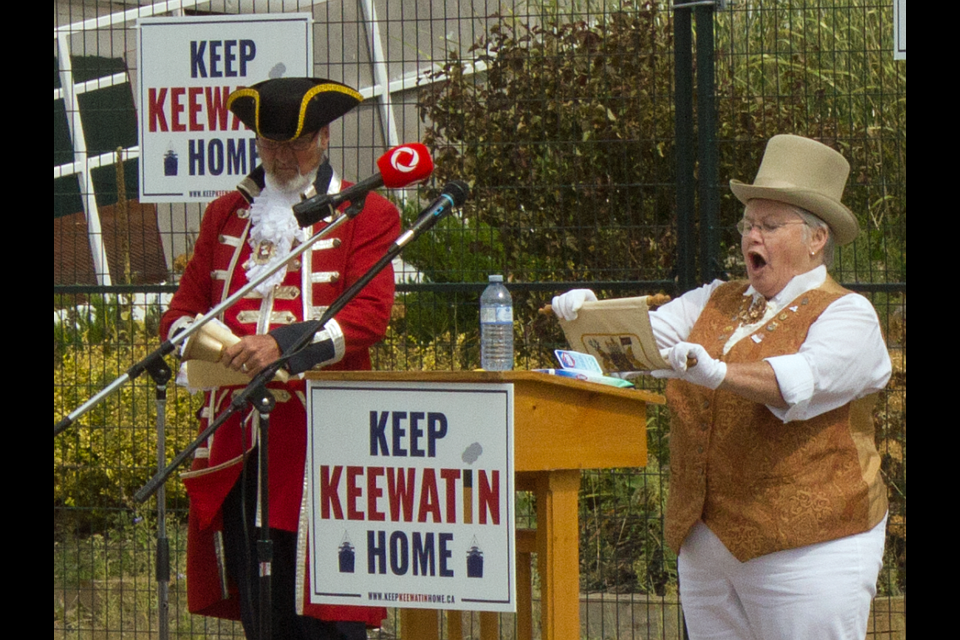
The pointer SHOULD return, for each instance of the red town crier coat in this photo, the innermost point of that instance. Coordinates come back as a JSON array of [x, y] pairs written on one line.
[[215, 271]]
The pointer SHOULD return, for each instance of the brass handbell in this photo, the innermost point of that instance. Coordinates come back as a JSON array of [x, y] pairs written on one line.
[[201, 355], [209, 342]]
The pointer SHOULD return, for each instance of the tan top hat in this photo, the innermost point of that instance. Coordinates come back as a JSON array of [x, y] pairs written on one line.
[[806, 174]]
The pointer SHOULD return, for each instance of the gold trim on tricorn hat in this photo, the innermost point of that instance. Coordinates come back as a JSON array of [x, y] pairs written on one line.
[[806, 174], [286, 108]]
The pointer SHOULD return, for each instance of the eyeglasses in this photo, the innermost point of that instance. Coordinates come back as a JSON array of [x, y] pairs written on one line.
[[303, 143], [766, 228]]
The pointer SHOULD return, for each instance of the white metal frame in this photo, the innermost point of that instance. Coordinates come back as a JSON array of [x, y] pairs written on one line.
[[83, 164]]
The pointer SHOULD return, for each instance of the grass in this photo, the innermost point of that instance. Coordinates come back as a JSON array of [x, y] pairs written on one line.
[[104, 587]]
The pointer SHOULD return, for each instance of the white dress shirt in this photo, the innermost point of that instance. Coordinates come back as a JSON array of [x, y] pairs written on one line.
[[843, 358]]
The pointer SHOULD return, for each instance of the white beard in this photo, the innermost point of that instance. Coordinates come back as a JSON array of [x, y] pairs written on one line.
[[295, 186]]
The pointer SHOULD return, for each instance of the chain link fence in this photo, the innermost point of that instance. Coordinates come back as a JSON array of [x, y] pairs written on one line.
[[563, 117]]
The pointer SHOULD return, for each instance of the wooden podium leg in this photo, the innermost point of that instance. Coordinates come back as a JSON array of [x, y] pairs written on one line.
[[419, 624], [559, 554], [526, 546], [454, 624], [489, 625]]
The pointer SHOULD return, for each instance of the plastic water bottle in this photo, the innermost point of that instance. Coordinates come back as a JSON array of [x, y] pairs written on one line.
[[496, 327]]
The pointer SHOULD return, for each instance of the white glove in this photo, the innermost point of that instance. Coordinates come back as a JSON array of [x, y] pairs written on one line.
[[707, 372], [567, 305]]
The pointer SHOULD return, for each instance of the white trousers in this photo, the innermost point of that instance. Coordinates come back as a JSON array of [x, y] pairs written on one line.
[[818, 592]]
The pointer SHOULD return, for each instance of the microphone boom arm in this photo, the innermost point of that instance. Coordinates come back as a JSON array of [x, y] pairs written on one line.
[[169, 345], [455, 193]]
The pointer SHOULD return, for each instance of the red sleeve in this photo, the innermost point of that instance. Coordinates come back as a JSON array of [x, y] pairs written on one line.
[[364, 320]]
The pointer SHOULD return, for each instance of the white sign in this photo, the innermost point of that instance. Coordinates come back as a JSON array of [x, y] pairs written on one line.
[[411, 495], [900, 30], [192, 149]]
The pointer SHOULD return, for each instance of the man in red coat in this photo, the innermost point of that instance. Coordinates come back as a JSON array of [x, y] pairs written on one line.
[[242, 235]]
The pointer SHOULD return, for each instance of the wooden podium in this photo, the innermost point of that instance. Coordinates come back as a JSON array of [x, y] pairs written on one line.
[[561, 426]]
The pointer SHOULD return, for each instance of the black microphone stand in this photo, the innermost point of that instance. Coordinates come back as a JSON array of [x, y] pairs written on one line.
[[264, 403], [454, 195], [161, 375]]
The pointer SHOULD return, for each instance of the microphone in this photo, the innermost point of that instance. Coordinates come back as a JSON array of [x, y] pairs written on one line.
[[453, 195], [398, 167]]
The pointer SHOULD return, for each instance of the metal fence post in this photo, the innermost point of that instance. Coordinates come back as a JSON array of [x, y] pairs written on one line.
[[683, 126], [707, 152]]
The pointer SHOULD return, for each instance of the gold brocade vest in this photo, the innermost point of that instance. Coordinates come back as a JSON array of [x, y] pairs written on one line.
[[759, 484]]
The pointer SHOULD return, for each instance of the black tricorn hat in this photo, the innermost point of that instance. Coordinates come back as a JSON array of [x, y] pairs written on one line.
[[286, 108]]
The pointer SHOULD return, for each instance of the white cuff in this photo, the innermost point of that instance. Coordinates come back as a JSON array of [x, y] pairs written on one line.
[[796, 381], [331, 331], [183, 322]]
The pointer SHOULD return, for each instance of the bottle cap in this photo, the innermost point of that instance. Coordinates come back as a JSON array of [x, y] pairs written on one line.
[[496, 278]]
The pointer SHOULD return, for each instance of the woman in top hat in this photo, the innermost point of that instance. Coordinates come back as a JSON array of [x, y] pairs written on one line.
[[776, 505]]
